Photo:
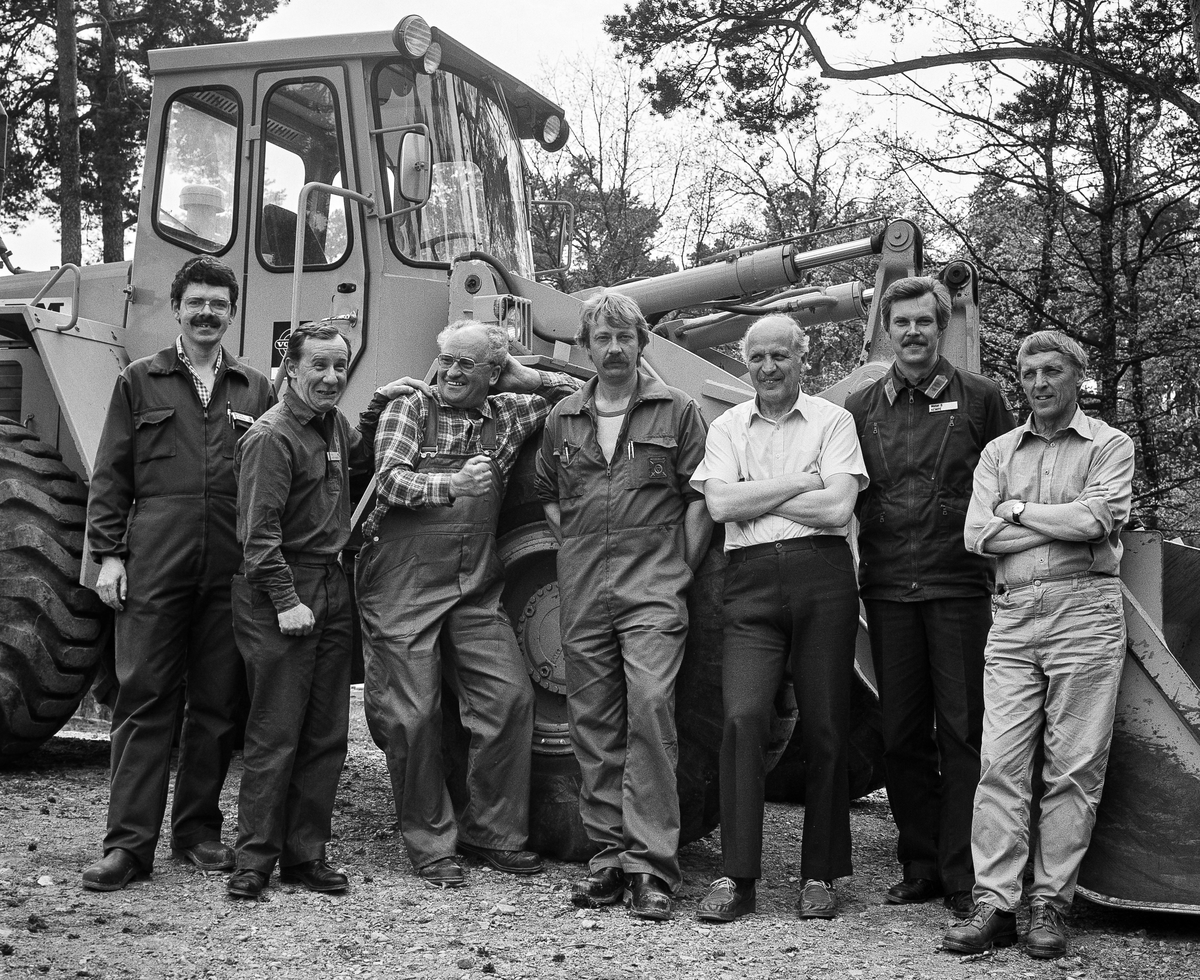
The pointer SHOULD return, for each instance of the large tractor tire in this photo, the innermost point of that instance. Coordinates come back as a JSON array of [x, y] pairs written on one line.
[[52, 629]]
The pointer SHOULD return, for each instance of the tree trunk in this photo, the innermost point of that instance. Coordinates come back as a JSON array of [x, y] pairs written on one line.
[[68, 135], [111, 165]]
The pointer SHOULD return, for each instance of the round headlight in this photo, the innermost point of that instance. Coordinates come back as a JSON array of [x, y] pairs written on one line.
[[554, 132], [550, 129], [432, 59], [412, 36]]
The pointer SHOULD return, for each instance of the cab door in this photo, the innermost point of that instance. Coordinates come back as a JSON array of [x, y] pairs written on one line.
[[301, 133]]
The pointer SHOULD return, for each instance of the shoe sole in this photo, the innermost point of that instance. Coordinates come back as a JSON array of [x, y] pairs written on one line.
[[713, 916], [245, 892], [971, 949], [184, 856], [588, 902], [445, 883], [492, 863], [326, 889], [1045, 952], [817, 915]]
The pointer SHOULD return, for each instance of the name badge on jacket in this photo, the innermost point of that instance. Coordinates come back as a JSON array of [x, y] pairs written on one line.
[[942, 407]]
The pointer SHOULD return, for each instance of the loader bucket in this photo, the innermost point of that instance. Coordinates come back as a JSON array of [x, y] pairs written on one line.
[[1145, 849]]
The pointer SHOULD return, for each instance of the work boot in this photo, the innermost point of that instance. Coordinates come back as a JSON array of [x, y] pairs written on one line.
[[112, 872], [1047, 938], [600, 888], [987, 927]]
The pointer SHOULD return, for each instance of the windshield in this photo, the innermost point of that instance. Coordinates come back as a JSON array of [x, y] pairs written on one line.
[[478, 197]]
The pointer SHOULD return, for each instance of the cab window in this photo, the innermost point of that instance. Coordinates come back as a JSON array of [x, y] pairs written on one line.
[[301, 145], [197, 176]]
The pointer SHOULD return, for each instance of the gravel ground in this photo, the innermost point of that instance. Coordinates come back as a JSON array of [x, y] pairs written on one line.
[[179, 923]]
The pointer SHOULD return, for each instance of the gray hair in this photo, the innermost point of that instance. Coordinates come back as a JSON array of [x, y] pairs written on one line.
[[1045, 341], [325, 329], [614, 310], [799, 337], [497, 339], [914, 287]]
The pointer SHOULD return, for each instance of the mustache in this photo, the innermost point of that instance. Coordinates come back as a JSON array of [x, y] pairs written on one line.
[[616, 359]]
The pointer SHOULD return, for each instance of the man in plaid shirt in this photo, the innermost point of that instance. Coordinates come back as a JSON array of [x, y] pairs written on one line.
[[428, 584]]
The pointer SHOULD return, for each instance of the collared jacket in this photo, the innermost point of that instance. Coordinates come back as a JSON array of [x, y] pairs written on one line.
[[921, 445], [164, 468]]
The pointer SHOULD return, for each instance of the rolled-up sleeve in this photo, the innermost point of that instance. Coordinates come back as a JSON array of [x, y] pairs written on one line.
[[545, 466], [841, 453], [720, 460], [397, 443], [264, 467], [111, 492], [981, 522], [1112, 467]]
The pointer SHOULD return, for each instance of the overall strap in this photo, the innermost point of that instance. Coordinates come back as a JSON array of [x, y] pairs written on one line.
[[429, 445]]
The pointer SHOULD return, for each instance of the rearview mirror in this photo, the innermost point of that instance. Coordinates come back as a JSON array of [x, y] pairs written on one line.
[[413, 172]]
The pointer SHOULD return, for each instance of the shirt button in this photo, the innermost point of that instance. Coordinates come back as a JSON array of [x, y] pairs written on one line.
[[376, 540], [1037, 581], [779, 546]]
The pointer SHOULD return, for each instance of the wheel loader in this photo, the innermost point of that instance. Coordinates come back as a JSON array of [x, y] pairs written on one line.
[[381, 179]]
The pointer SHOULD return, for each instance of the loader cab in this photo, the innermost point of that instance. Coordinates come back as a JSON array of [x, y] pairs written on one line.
[[237, 130]]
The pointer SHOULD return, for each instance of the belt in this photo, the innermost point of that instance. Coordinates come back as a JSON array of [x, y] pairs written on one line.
[[810, 543], [1066, 577], [316, 558]]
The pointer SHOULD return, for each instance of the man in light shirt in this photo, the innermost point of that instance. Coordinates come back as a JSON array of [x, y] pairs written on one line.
[[1050, 500], [783, 472]]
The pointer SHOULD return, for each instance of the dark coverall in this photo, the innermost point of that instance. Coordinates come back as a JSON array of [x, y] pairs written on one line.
[[163, 497], [928, 603], [294, 521], [429, 583], [623, 581]]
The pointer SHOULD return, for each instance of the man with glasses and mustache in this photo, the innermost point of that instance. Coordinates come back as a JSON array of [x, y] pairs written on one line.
[[613, 476], [161, 519], [429, 583]]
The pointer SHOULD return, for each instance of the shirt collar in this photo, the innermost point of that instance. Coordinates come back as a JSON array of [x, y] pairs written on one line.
[[932, 385], [298, 407], [186, 361], [485, 409], [798, 406], [1083, 426]]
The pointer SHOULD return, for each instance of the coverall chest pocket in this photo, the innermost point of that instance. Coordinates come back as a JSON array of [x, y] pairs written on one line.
[[569, 457], [651, 462], [154, 433], [237, 427]]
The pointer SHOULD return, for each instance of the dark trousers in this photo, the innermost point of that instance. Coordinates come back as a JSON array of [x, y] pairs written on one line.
[[795, 611], [299, 720], [176, 629], [929, 668]]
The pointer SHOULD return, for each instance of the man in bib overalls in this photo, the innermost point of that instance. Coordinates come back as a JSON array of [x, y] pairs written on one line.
[[429, 582]]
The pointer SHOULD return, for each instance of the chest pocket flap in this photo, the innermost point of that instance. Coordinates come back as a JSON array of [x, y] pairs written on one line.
[[154, 433], [651, 461]]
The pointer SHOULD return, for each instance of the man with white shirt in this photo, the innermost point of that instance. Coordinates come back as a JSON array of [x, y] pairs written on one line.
[[783, 472]]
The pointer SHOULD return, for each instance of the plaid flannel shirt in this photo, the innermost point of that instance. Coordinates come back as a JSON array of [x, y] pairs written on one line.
[[402, 430], [200, 386]]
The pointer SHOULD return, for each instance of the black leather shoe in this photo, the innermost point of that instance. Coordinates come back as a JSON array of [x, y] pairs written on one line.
[[961, 904], [1047, 937], [510, 862], [913, 891], [726, 900], [112, 872], [316, 876], [208, 855], [817, 900], [600, 888], [443, 873], [648, 897], [247, 883], [987, 927]]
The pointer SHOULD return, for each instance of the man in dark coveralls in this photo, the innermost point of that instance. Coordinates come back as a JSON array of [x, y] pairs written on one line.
[[161, 523], [928, 600], [613, 476], [428, 585], [292, 612]]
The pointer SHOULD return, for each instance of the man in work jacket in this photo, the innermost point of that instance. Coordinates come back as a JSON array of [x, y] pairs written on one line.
[[292, 612], [928, 600], [613, 475], [429, 582], [161, 518]]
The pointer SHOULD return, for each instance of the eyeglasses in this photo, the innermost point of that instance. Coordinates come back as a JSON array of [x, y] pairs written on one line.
[[194, 305], [466, 364]]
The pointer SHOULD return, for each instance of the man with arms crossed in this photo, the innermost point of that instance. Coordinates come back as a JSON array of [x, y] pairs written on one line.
[[613, 476], [292, 613], [1050, 500], [783, 470], [161, 518], [929, 601], [429, 582]]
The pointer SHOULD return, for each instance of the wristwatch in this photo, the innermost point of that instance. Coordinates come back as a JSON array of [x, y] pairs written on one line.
[[1018, 510]]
